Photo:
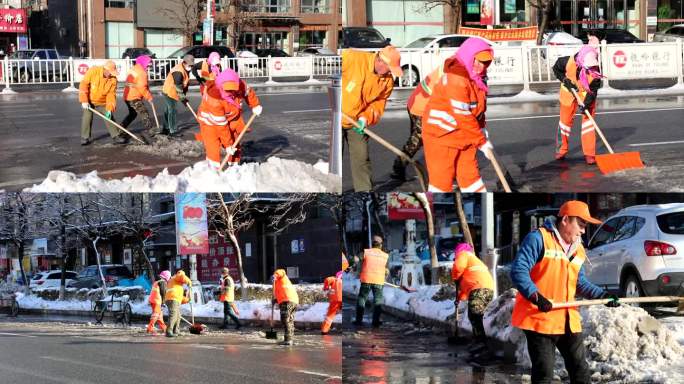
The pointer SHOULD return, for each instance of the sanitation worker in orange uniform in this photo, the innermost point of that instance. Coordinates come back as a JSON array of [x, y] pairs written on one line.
[[333, 285], [220, 115], [97, 90], [287, 299], [373, 273], [454, 120], [156, 295], [549, 268], [228, 298]]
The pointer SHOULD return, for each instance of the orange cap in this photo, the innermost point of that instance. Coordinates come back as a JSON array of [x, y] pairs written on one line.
[[484, 56], [578, 209], [111, 67], [391, 56], [345, 263], [231, 86]]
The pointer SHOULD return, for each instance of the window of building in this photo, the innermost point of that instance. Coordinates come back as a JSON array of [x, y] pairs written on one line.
[[512, 12], [315, 6], [162, 42], [268, 6], [118, 37], [311, 39], [120, 3]]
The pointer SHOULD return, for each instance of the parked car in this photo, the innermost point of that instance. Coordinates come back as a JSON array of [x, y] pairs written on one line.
[[419, 57], [639, 251], [51, 279], [248, 61], [134, 53], [322, 56], [671, 34], [611, 36], [28, 65], [271, 52], [90, 277], [363, 37], [199, 52], [559, 44]]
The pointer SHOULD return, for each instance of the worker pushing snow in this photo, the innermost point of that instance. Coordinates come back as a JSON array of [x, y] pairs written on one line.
[[220, 115], [157, 293], [137, 88], [207, 70], [454, 120], [97, 90], [333, 285], [175, 85], [373, 273], [580, 73], [174, 297], [285, 295], [227, 286]]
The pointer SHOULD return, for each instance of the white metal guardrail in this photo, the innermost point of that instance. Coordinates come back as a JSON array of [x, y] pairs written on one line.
[[271, 70]]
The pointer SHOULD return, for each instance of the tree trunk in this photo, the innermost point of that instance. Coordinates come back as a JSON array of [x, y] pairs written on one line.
[[545, 20], [377, 217], [456, 14], [243, 279], [425, 204], [148, 263], [20, 250], [99, 266], [63, 263], [462, 219]]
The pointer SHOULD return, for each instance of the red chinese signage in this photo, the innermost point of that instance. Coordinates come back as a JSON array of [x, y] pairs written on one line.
[[13, 20], [528, 33], [404, 206], [221, 254]]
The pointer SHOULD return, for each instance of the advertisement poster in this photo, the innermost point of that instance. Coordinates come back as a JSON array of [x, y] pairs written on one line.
[[473, 7], [487, 12], [192, 235], [13, 20], [403, 206]]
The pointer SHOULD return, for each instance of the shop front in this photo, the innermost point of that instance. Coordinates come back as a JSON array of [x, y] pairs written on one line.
[[576, 16], [13, 27]]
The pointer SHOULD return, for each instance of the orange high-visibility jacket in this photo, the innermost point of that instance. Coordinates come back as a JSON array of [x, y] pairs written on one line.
[[206, 73], [214, 110], [227, 289], [98, 90], [174, 290], [137, 86], [169, 88], [472, 272], [556, 279], [454, 115], [566, 96], [364, 93], [283, 288], [373, 267], [334, 287], [420, 96], [155, 294]]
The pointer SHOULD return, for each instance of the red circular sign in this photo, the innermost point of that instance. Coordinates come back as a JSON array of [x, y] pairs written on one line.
[[619, 59], [278, 65], [83, 68]]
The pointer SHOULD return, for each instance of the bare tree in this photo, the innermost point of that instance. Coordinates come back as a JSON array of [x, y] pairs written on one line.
[[186, 14], [292, 209], [19, 226], [429, 221], [545, 8], [238, 19], [452, 8]]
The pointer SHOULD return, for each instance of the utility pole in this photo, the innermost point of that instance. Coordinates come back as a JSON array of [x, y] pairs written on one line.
[[208, 25]]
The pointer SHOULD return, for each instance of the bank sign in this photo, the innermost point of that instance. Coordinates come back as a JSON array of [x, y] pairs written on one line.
[[13, 20], [637, 61]]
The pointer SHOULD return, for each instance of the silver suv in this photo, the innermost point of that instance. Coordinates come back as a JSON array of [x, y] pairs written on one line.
[[639, 251]]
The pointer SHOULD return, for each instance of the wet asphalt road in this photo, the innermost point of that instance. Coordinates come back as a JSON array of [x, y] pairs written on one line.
[[40, 131], [524, 138], [37, 352]]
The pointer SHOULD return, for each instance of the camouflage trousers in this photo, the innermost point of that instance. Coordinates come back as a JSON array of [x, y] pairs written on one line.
[[478, 299], [287, 314], [135, 108], [415, 140]]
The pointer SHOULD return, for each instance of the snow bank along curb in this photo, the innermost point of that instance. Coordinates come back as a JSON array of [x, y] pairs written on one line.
[[275, 175]]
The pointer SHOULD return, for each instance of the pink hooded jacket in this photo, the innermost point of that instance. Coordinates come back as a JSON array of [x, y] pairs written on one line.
[[143, 61], [466, 55], [228, 76], [214, 57], [584, 71]]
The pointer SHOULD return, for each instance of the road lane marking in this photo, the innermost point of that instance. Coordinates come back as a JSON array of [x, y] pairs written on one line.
[[16, 334], [50, 377], [308, 110], [657, 143], [320, 374]]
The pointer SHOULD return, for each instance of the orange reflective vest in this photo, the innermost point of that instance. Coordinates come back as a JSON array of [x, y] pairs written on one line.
[[227, 289], [556, 279], [169, 88], [155, 294], [472, 272], [454, 115], [420, 96], [373, 267], [137, 86], [97, 89], [283, 288], [174, 289], [364, 93], [334, 287], [214, 110], [566, 96]]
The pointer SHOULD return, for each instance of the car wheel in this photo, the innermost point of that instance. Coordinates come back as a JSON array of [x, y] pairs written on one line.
[[632, 288], [25, 76], [409, 78]]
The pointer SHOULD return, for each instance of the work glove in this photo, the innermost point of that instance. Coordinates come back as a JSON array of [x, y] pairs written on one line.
[[486, 148], [85, 105], [361, 126], [257, 110], [231, 150], [184, 100], [541, 302], [614, 300], [108, 115], [569, 84]]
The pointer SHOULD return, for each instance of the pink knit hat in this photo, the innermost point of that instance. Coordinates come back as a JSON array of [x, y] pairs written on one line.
[[463, 247], [166, 275], [144, 61]]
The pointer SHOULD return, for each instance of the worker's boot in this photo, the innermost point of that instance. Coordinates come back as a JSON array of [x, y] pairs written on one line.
[[377, 311], [398, 170], [590, 159], [120, 140], [359, 317]]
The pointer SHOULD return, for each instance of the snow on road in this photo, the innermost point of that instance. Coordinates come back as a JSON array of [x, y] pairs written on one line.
[[275, 175]]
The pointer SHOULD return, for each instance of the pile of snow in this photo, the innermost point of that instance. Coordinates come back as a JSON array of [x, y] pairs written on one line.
[[624, 344], [35, 302], [275, 175], [167, 147]]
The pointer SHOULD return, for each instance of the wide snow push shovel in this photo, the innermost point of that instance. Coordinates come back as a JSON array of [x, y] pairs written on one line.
[[627, 300], [237, 141], [612, 162], [117, 125], [195, 328], [416, 165]]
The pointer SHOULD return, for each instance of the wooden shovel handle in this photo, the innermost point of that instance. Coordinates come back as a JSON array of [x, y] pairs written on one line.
[[499, 172], [115, 124], [624, 300], [237, 141], [591, 118], [154, 112]]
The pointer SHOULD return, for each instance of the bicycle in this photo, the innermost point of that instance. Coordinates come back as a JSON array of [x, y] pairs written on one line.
[[117, 305], [10, 301]]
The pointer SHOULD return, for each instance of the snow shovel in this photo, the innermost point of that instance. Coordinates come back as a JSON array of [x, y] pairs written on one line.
[[198, 135], [403, 288], [195, 328], [416, 165], [499, 172], [627, 300], [612, 162], [271, 333], [154, 113], [237, 141], [117, 125]]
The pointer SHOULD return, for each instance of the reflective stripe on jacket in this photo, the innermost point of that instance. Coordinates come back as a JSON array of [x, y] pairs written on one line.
[[214, 110], [419, 97], [374, 266]]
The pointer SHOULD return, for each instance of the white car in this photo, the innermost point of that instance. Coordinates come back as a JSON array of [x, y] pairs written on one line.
[[421, 56], [248, 63], [671, 34], [51, 279], [639, 251], [559, 44]]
